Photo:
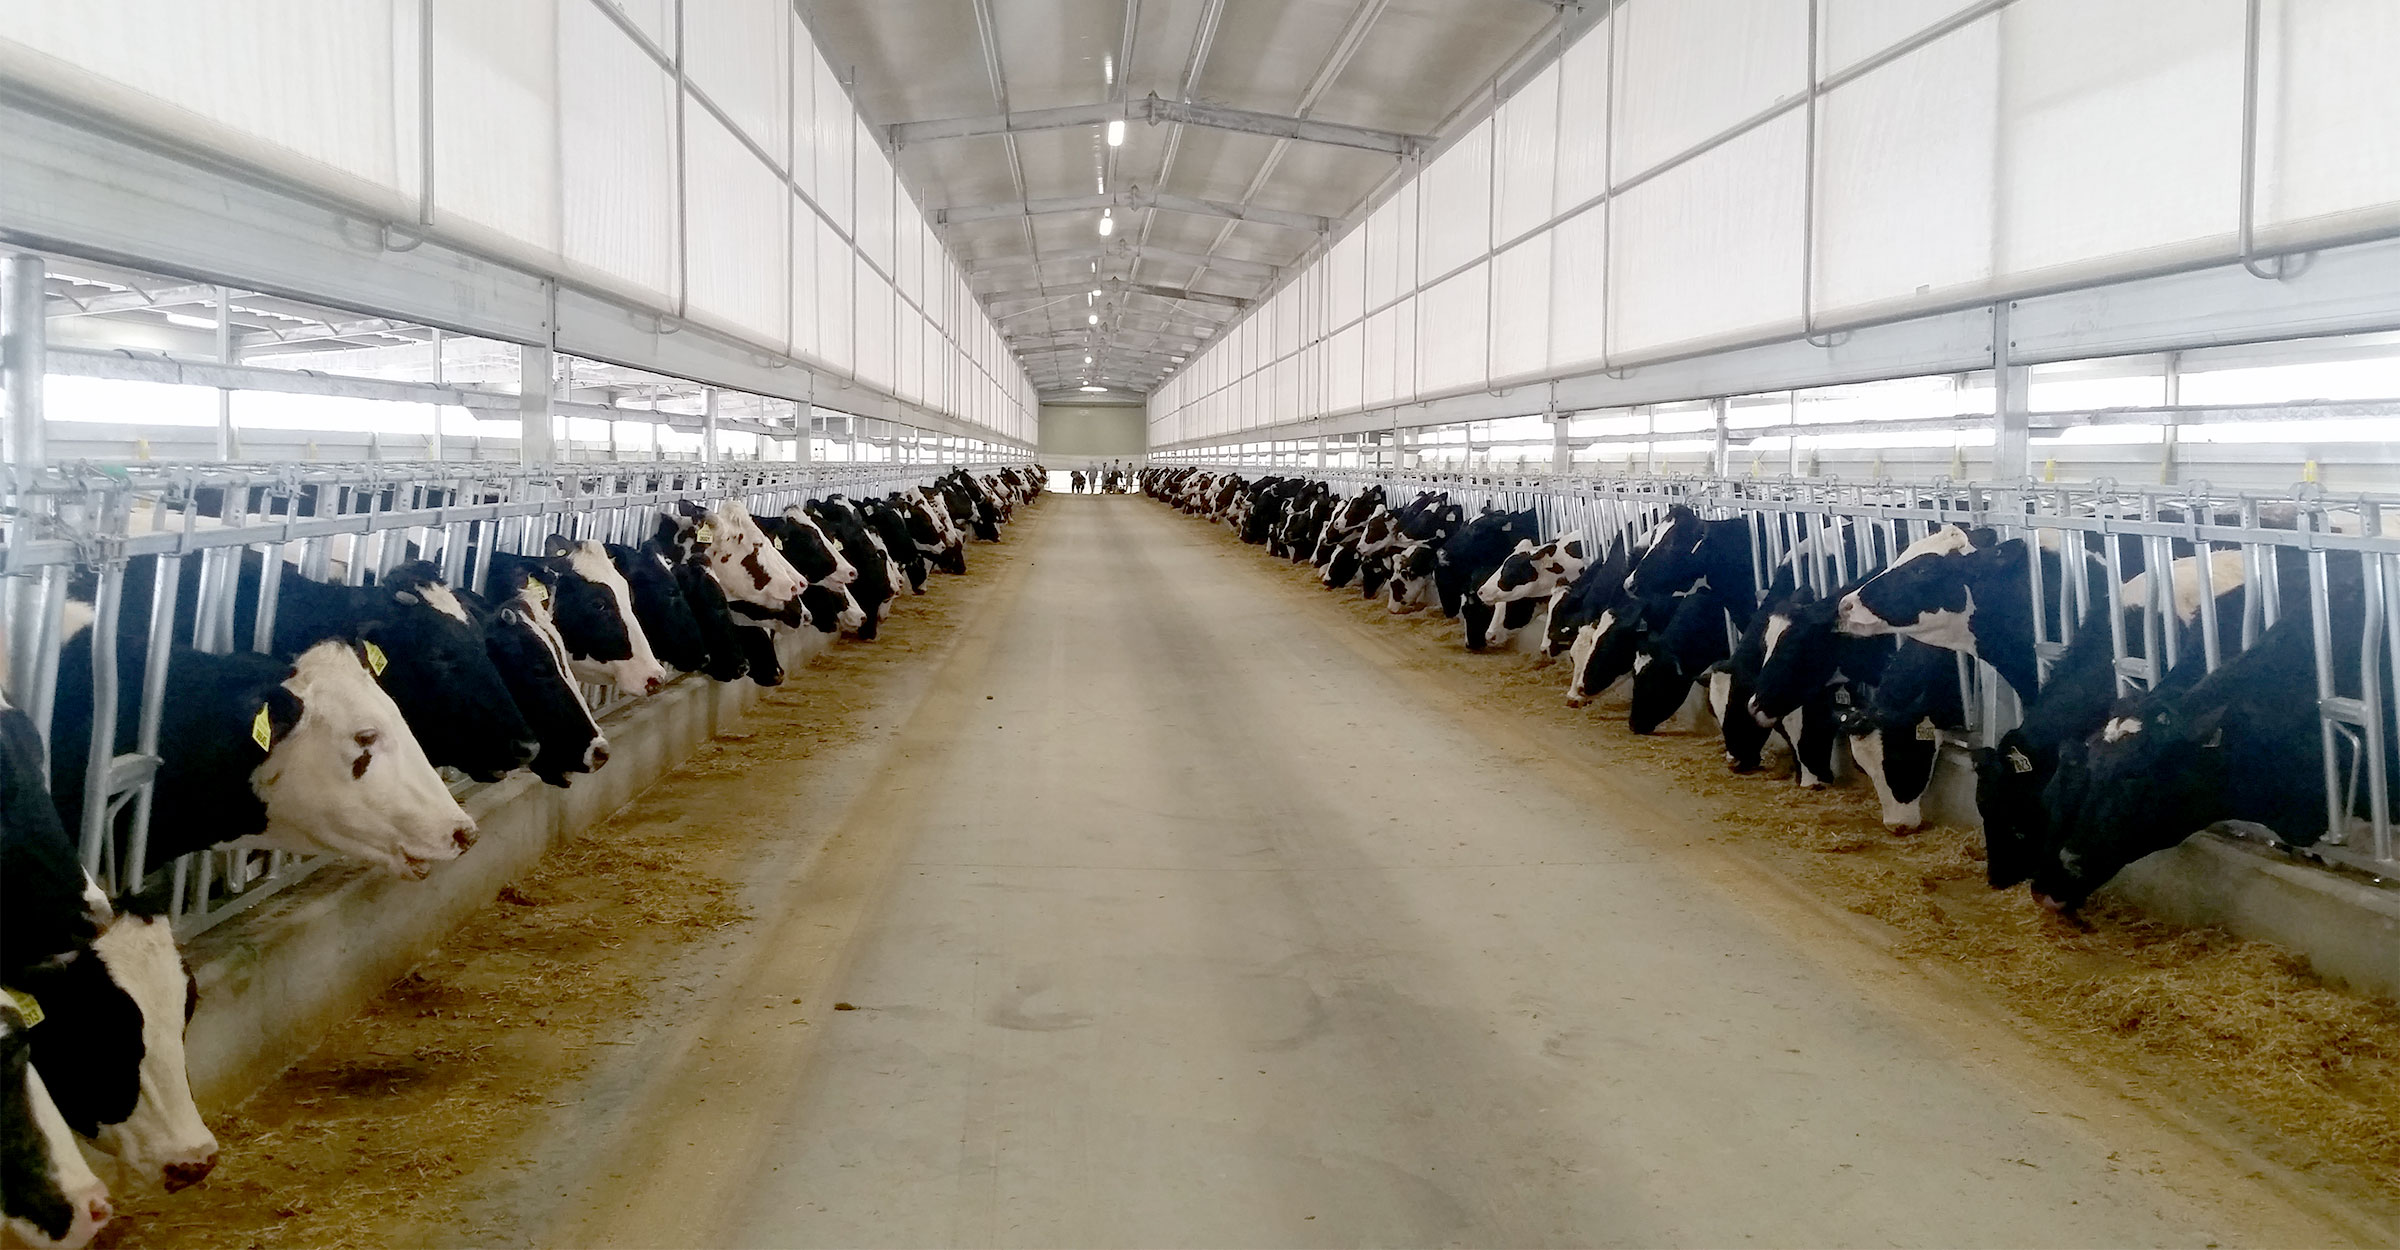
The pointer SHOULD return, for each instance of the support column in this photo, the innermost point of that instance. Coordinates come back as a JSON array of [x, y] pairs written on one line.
[[708, 425], [228, 444], [439, 379], [2171, 396], [1723, 459], [2012, 420], [1562, 453], [537, 443], [23, 341], [804, 420]]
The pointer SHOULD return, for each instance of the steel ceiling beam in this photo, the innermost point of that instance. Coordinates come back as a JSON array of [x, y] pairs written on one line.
[[1130, 200], [1113, 285], [1156, 111], [1128, 252]]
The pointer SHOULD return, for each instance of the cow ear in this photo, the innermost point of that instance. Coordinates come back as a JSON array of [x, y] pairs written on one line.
[[155, 901], [558, 545], [277, 713], [2205, 728]]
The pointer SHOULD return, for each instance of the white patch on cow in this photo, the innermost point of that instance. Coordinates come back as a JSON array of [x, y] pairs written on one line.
[[1949, 540], [1794, 726], [438, 597], [86, 1196], [164, 1138], [396, 812], [735, 540], [1946, 629], [1641, 662], [637, 674], [2226, 571], [1898, 817], [1720, 693], [1579, 654], [1778, 624], [74, 618], [2120, 728], [843, 572], [535, 611]]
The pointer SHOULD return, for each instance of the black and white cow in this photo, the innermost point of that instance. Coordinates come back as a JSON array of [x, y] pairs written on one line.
[[728, 652], [1470, 558], [307, 755], [533, 658], [659, 607], [110, 988], [937, 544], [873, 587], [1696, 639], [1896, 733], [592, 607], [810, 551], [899, 547], [48, 1194]]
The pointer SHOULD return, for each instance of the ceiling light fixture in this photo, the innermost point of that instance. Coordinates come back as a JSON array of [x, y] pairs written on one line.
[[1116, 133], [1092, 320], [1108, 70], [1108, 222], [1099, 184], [186, 319], [1095, 390], [1087, 360]]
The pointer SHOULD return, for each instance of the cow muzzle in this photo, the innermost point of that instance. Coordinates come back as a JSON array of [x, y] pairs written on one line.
[[185, 1173]]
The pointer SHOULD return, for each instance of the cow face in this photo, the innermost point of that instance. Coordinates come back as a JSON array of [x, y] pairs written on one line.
[[811, 551], [439, 671], [1924, 593], [1534, 571], [658, 606], [347, 777], [528, 648], [2151, 776], [163, 1137], [1672, 659], [743, 561], [1414, 570], [593, 611], [51, 1197], [727, 658], [2010, 781], [1671, 564]]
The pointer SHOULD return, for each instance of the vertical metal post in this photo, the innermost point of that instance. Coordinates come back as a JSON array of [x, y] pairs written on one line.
[[2320, 611], [2012, 441], [804, 423], [536, 442], [708, 425], [227, 445], [2171, 396], [1721, 462], [439, 379], [23, 339]]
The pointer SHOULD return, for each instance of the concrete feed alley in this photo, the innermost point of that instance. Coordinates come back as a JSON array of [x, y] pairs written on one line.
[[1191, 924]]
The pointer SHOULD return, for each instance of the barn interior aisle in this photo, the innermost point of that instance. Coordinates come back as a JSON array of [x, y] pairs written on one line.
[[1197, 927]]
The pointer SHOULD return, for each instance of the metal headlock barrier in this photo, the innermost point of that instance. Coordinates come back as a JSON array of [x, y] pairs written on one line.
[[333, 522], [2103, 516]]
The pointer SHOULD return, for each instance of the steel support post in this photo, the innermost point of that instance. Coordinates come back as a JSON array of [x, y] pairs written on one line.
[[804, 424], [708, 425], [1723, 457], [23, 338], [537, 442], [1562, 453], [2012, 405], [227, 446]]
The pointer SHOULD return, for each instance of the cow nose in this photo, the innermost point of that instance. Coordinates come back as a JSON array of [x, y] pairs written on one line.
[[99, 1211], [180, 1175], [527, 748], [599, 753], [651, 686], [464, 835]]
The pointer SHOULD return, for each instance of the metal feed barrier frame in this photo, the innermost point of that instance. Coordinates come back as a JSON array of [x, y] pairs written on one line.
[[1787, 512], [333, 522]]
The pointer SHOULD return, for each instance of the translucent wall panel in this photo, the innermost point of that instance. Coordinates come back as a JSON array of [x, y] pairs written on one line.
[[909, 353], [802, 127], [908, 249], [1454, 204], [1454, 319], [807, 250], [1527, 156], [736, 246], [1850, 31], [1345, 369], [1905, 176], [1383, 357], [1285, 375], [1711, 249], [733, 51], [1583, 111], [655, 18], [1521, 309], [836, 314], [836, 146], [333, 86], [1578, 290], [617, 153], [495, 118], [1346, 279], [1384, 249], [2325, 80], [2135, 105], [1692, 68], [874, 229]]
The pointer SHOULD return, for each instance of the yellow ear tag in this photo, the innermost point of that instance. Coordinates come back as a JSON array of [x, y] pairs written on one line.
[[26, 1007], [704, 534], [262, 731], [375, 659]]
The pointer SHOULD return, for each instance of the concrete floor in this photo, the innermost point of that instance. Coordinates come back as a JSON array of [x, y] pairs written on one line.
[[1207, 931]]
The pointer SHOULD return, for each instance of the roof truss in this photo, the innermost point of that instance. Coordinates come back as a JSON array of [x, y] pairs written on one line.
[[1156, 111]]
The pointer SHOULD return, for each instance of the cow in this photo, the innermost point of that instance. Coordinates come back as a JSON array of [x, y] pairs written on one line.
[[1472, 556], [1695, 639], [728, 655], [592, 607], [906, 565], [658, 605], [937, 547], [1534, 571], [111, 989], [873, 587], [433, 660], [307, 755], [810, 551], [48, 1194], [532, 657], [738, 553], [1896, 733]]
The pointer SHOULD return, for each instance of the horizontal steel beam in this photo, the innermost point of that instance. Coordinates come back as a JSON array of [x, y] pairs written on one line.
[[1111, 286], [1128, 252], [1157, 112], [959, 214]]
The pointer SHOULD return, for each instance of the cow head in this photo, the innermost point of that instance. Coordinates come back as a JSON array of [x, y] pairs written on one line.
[[727, 657], [658, 606], [739, 555], [1671, 564], [164, 1137], [52, 1198], [1672, 659], [342, 774], [1532, 571], [593, 611], [811, 551], [435, 664], [1800, 658], [526, 644]]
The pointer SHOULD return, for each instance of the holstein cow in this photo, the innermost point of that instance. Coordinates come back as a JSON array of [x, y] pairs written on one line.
[[305, 755], [592, 606], [1896, 733], [1670, 661], [728, 652], [49, 1195], [873, 587], [738, 553], [105, 991], [659, 607], [532, 657], [431, 656]]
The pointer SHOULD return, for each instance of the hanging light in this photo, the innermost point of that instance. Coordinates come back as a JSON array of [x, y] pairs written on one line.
[[1087, 360], [1108, 222], [1095, 390], [1092, 319], [1116, 133]]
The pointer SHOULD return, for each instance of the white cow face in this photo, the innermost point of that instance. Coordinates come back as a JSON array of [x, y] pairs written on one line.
[[745, 564], [638, 673], [347, 777], [164, 1138], [65, 1203], [843, 572]]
